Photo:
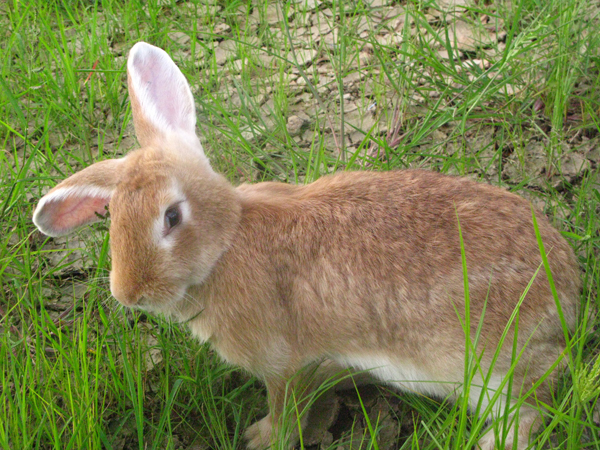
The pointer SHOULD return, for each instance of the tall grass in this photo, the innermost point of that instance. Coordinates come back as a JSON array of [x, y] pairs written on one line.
[[78, 372]]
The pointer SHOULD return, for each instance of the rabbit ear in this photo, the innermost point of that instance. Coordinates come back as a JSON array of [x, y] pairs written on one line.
[[78, 200], [161, 99]]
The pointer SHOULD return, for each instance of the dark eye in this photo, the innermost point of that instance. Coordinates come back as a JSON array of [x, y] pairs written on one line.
[[172, 218]]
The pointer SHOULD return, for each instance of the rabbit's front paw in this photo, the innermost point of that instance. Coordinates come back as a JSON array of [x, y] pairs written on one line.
[[258, 435]]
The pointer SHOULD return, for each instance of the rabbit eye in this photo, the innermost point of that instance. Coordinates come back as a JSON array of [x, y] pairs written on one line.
[[172, 218]]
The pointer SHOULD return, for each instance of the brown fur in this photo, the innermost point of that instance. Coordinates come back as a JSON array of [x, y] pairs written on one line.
[[362, 264]]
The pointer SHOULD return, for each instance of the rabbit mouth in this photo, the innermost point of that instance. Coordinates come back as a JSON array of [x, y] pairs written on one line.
[[142, 303], [167, 305], [148, 305]]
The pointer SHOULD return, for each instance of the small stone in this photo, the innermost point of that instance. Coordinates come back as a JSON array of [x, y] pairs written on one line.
[[331, 39], [251, 22], [573, 164], [325, 68], [180, 38], [594, 155], [389, 40], [376, 3], [295, 125], [323, 89], [239, 64], [319, 29], [396, 17], [310, 135], [251, 135], [322, 416], [299, 32], [220, 56], [443, 54], [380, 417], [275, 13], [228, 45], [349, 106], [268, 107], [74, 290], [252, 42], [55, 139], [528, 166], [235, 100], [352, 78], [221, 28], [483, 64], [153, 355], [365, 58], [265, 59], [360, 121], [306, 99], [303, 56], [308, 5], [450, 5], [469, 37], [356, 137], [509, 89], [366, 24], [225, 51], [259, 99], [326, 81]]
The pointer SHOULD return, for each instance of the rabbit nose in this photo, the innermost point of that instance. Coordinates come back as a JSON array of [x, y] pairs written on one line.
[[129, 300], [125, 297], [124, 289]]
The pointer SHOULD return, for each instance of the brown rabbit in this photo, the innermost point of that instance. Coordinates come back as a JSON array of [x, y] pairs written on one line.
[[358, 270]]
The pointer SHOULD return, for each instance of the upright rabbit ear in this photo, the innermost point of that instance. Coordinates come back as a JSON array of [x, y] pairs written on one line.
[[161, 99], [78, 200]]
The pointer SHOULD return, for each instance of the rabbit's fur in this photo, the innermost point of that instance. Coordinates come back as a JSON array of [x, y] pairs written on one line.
[[358, 270]]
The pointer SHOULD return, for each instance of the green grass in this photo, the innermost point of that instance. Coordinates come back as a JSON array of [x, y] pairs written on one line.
[[76, 372]]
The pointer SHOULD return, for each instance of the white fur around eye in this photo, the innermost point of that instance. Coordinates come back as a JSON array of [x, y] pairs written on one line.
[[175, 196]]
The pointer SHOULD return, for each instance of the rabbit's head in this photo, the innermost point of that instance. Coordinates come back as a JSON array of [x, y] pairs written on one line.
[[172, 216]]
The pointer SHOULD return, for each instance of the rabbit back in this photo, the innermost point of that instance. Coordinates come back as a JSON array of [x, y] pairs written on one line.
[[367, 267]]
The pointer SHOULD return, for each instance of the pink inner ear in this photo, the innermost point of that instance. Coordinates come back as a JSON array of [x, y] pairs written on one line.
[[161, 89], [74, 211]]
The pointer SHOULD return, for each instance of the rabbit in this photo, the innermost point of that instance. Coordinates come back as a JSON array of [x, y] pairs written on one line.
[[358, 271]]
